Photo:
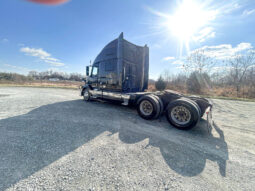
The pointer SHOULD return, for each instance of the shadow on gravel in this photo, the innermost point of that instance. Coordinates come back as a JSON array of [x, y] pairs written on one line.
[[191, 160], [34, 140], [188, 151]]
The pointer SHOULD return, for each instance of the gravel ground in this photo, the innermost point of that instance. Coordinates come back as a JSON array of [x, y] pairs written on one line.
[[52, 140]]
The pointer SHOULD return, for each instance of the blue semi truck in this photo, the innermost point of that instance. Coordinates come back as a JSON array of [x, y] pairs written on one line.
[[120, 73]]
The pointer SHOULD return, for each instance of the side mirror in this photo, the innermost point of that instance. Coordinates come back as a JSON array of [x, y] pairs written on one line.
[[87, 70]]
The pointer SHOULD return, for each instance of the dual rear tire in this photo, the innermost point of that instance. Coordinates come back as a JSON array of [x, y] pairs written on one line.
[[181, 113], [149, 107]]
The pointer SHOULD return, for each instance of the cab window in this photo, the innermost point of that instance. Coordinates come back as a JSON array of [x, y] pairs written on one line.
[[94, 71]]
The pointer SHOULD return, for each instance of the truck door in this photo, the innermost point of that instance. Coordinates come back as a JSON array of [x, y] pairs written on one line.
[[130, 77], [94, 82], [108, 80]]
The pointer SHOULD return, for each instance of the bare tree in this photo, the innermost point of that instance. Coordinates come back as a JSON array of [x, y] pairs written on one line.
[[33, 74], [251, 82], [167, 76], [239, 66], [198, 61], [75, 77]]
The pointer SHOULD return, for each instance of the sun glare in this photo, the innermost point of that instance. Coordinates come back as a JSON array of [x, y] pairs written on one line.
[[188, 19]]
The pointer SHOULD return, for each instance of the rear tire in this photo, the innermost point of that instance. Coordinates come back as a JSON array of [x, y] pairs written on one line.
[[148, 107], [194, 103], [160, 104], [86, 95], [182, 114]]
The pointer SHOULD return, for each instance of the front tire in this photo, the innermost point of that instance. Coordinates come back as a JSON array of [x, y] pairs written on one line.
[[86, 95], [182, 114]]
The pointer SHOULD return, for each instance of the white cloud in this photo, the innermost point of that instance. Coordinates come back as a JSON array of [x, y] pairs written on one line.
[[243, 46], [178, 62], [248, 12], [42, 55], [168, 58], [228, 7], [225, 51], [35, 52], [54, 63], [205, 33], [220, 53]]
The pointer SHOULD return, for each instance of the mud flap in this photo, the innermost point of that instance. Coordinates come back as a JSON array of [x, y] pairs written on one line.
[[208, 112]]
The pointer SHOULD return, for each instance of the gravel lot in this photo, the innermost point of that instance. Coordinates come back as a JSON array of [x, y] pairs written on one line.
[[52, 140]]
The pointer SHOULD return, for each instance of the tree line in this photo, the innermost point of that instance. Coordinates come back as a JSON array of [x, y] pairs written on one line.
[[45, 75], [203, 74]]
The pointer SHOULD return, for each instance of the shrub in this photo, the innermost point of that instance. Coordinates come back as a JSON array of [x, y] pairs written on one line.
[[198, 82], [160, 84], [193, 83]]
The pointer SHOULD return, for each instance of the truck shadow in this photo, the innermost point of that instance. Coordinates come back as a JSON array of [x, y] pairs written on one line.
[[186, 152], [190, 160], [36, 139]]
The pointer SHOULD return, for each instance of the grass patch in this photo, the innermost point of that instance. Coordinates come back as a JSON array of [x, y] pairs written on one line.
[[41, 85]]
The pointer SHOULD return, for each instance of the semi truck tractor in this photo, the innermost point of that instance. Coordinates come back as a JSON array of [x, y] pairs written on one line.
[[120, 73]]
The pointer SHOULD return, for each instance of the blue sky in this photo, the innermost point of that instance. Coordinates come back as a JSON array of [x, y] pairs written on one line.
[[67, 36]]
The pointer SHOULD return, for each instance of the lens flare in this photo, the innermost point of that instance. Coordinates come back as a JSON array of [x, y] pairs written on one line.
[[188, 20], [49, 2]]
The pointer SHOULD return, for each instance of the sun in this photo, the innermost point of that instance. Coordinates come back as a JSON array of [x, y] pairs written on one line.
[[188, 19]]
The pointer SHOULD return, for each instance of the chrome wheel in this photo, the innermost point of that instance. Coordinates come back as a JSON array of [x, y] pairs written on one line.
[[146, 107], [86, 95], [180, 115]]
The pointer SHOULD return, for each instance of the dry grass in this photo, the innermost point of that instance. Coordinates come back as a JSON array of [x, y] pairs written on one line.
[[58, 84], [228, 92]]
